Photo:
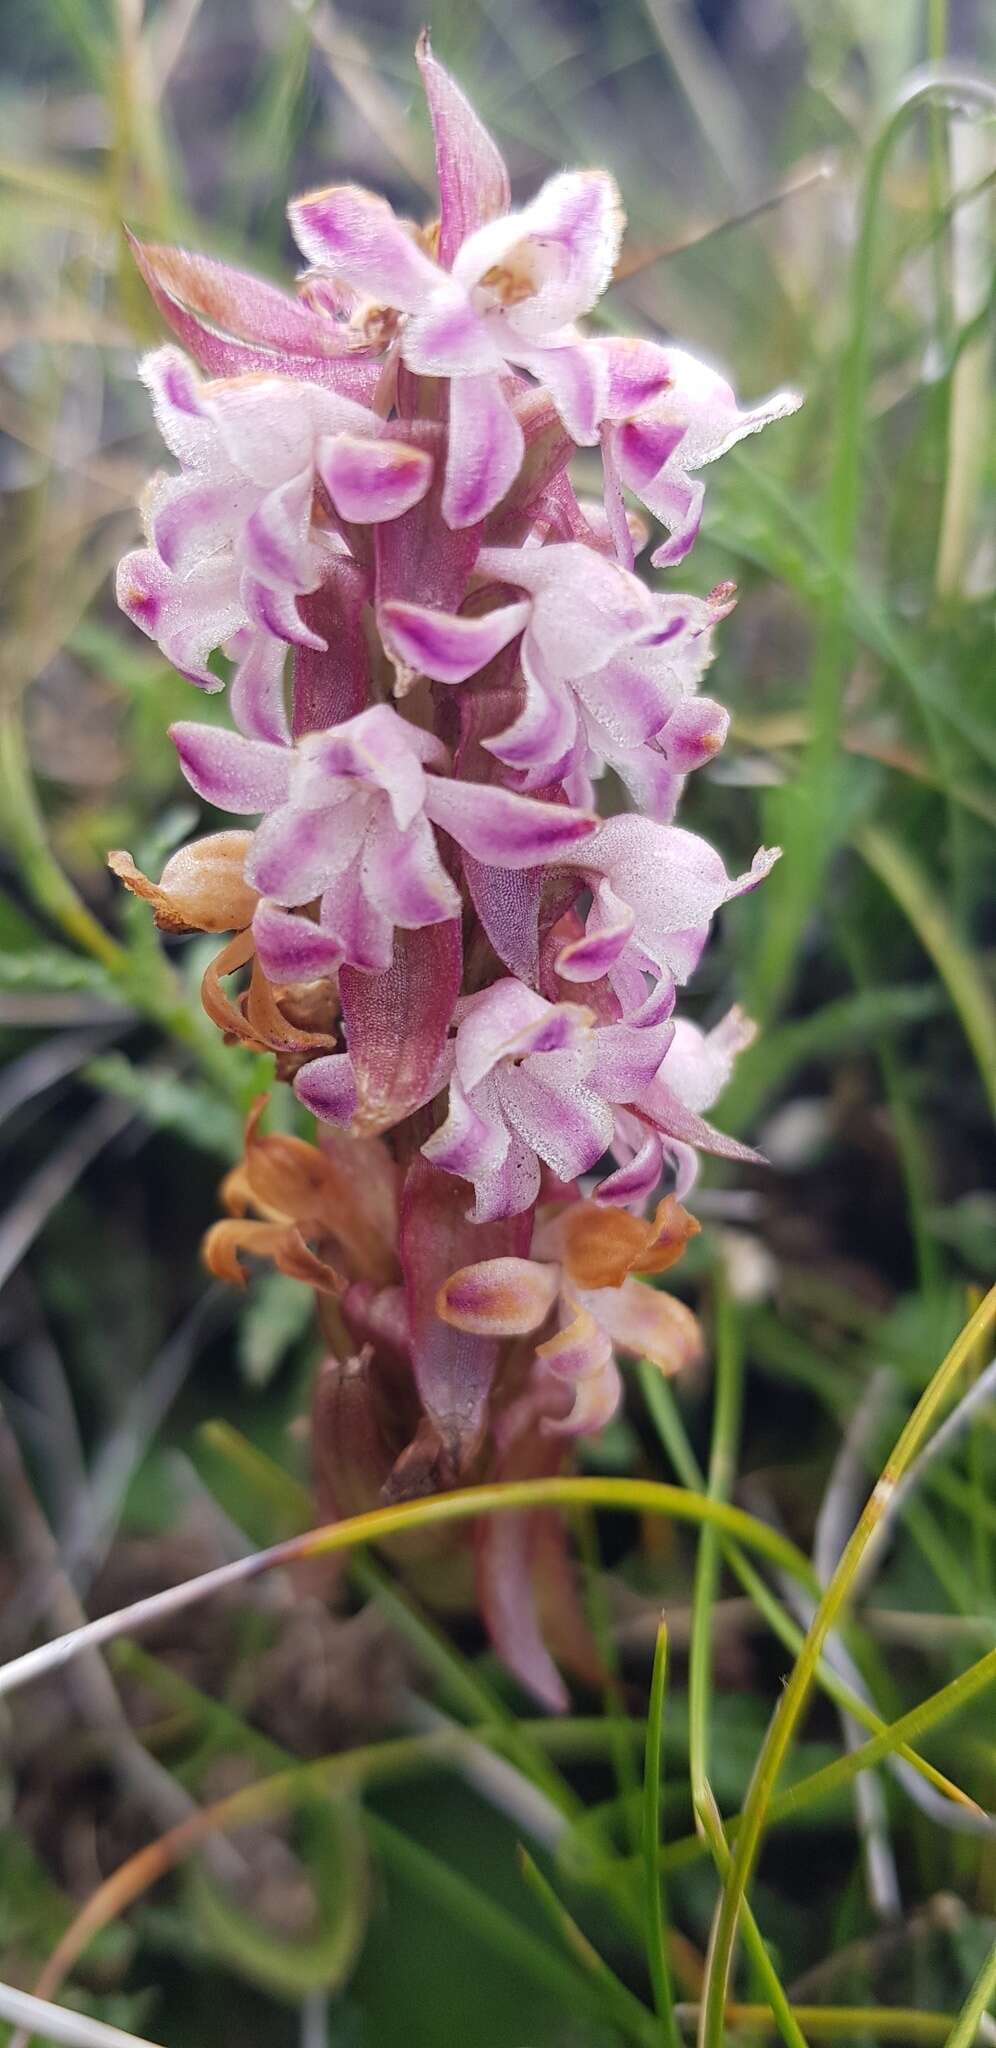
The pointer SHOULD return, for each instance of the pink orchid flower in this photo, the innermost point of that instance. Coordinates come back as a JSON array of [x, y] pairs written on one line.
[[655, 891], [233, 538], [607, 665], [535, 1081], [503, 296], [653, 448], [521, 1092], [665, 1128], [581, 1272], [349, 819]]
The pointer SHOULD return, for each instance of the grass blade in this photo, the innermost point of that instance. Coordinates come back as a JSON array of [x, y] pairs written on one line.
[[727, 1408]]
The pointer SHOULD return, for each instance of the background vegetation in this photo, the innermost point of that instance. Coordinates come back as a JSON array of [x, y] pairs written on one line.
[[788, 223]]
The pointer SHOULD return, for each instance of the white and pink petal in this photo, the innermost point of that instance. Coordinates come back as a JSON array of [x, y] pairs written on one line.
[[372, 480], [275, 539], [559, 254], [608, 929], [403, 874], [356, 235], [296, 852], [234, 773], [327, 1087], [256, 695], [293, 948], [573, 373], [547, 1100], [447, 646], [275, 610], [507, 1021], [647, 1323], [471, 1142], [501, 828], [485, 449]]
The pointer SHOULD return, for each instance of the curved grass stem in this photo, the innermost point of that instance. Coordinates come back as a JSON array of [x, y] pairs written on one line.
[[637, 1496], [900, 874]]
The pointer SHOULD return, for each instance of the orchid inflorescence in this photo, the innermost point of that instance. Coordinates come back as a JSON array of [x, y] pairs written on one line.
[[468, 975]]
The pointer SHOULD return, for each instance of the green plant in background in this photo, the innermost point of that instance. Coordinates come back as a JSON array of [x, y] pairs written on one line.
[[858, 666]]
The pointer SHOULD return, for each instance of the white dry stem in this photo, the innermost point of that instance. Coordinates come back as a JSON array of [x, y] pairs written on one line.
[[838, 1513], [21, 1223], [156, 1607], [314, 2028], [57, 2023], [497, 1780]]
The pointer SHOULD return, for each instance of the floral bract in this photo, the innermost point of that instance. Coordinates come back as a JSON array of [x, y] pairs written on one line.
[[435, 651]]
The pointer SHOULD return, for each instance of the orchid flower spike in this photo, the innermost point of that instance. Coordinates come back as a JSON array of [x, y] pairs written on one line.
[[434, 652]]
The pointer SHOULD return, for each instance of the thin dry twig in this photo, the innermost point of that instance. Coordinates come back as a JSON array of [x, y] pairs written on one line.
[[494, 1777], [87, 1538], [861, 1960], [165, 40], [42, 1011], [978, 1397]]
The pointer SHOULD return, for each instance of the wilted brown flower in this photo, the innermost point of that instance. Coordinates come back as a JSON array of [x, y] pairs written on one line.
[[286, 1196], [202, 888]]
